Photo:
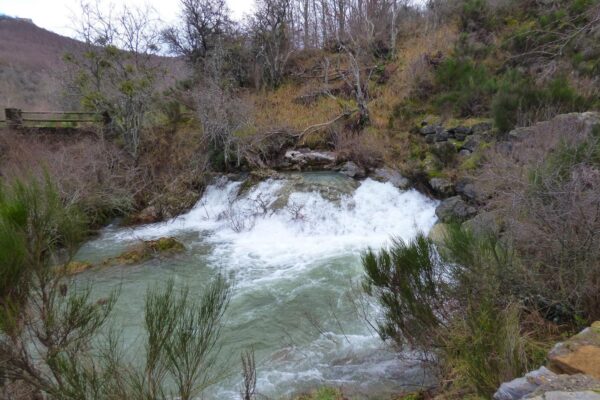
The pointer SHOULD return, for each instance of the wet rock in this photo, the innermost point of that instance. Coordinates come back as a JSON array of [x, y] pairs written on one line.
[[74, 267], [392, 176], [455, 209], [431, 130], [442, 187], [306, 158], [352, 170], [255, 177], [437, 234], [579, 354], [429, 139]]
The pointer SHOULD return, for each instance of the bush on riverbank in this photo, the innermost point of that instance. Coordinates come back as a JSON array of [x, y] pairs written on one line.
[[55, 338]]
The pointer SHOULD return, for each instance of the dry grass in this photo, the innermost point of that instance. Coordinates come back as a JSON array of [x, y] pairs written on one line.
[[546, 187], [277, 109], [411, 65]]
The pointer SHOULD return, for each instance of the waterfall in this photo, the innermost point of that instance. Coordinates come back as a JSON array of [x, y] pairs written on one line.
[[292, 247]]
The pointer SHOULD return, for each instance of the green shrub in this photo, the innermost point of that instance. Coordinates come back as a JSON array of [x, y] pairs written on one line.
[[518, 97], [52, 333], [458, 302], [474, 14], [464, 87], [35, 227], [404, 279]]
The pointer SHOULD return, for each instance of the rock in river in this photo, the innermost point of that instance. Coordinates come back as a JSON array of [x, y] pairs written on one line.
[[392, 176]]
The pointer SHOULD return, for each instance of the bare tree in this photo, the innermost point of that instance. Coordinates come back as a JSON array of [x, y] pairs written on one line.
[[202, 25], [270, 27], [221, 110], [118, 73]]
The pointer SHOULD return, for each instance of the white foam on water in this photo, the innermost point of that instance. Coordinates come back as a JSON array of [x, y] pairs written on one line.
[[309, 228]]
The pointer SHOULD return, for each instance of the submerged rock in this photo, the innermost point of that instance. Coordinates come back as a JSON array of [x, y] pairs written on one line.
[[392, 176], [455, 209], [74, 267], [146, 250]]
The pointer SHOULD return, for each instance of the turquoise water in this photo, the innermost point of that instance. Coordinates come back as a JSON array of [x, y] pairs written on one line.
[[292, 249]]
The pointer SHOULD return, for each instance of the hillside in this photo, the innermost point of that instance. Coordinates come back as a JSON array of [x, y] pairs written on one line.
[[32, 68], [31, 64]]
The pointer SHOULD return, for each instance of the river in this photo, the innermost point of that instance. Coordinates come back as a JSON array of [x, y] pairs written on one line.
[[292, 249]]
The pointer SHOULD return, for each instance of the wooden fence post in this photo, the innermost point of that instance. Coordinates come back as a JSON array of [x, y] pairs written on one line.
[[14, 118]]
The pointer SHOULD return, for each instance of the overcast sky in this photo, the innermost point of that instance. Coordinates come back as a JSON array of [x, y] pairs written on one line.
[[56, 15]]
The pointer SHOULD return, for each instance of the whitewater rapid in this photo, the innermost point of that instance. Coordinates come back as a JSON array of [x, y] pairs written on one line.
[[292, 248]]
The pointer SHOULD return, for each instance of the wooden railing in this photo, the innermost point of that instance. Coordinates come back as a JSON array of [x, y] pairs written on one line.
[[18, 119]]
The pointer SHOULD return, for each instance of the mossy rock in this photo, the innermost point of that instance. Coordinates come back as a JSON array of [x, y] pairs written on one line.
[[325, 393], [75, 267], [165, 244], [146, 250]]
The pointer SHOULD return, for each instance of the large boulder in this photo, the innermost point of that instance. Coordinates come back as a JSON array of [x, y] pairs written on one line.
[[485, 223], [584, 120], [455, 209], [392, 176], [579, 354], [469, 191], [306, 158]]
